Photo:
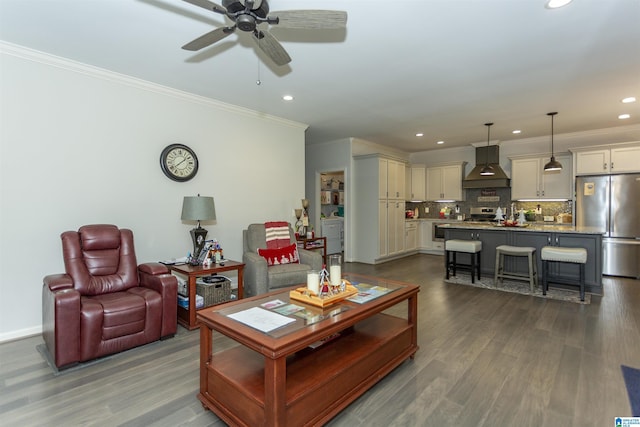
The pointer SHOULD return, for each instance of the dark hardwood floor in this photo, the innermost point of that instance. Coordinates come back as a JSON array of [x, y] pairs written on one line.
[[486, 358]]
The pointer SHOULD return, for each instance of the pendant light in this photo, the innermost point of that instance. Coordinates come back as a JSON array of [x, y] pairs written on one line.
[[553, 164], [487, 170]]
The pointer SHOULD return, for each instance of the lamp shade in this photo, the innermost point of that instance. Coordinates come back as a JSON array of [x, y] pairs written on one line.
[[553, 165], [198, 208]]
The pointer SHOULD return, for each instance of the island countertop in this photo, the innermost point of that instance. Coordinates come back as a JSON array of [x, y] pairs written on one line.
[[470, 225], [536, 236]]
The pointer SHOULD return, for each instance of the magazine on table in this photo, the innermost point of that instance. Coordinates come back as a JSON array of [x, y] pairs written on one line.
[[367, 292]]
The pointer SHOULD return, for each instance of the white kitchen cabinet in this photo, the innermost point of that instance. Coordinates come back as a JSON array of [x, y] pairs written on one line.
[[530, 181], [390, 227], [445, 182], [379, 208], [410, 236], [395, 180], [415, 183], [607, 160], [391, 179], [383, 228], [333, 230], [425, 230], [395, 227], [426, 243]]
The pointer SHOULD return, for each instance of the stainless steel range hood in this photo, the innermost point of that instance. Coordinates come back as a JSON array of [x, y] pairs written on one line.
[[484, 155]]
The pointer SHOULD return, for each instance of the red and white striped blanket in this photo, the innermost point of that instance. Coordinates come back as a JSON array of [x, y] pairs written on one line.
[[277, 234]]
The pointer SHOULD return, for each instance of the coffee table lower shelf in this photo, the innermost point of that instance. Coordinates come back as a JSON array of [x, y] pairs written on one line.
[[319, 382]]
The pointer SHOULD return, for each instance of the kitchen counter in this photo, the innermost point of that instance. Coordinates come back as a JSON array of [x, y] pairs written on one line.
[[536, 236], [529, 227], [433, 219]]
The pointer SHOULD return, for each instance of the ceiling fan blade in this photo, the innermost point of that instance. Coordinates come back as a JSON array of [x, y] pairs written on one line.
[[271, 47], [209, 5], [311, 19], [209, 38]]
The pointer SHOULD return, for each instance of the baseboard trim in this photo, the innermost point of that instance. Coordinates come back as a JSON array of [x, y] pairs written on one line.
[[20, 334]]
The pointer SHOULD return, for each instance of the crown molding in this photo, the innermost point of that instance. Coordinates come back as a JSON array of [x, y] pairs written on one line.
[[603, 136], [112, 76]]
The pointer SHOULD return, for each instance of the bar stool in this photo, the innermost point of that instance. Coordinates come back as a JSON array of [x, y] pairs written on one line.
[[472, 247], [516, 251], [561, 254]]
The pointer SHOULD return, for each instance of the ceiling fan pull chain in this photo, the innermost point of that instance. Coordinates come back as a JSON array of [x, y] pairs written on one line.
[[258, 81]]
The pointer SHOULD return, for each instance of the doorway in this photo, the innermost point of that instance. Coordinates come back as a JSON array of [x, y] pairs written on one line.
[[332, 210]]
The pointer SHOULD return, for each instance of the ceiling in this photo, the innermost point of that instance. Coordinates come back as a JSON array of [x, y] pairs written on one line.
[[440, 67]]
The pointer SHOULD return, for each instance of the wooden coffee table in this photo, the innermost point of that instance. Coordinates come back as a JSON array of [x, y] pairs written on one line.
[[283, 377]]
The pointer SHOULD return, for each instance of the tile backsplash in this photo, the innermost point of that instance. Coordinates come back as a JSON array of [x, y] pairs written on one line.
[[499, 197]]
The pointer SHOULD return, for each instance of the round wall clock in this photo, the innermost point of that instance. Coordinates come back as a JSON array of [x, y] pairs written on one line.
[[179, 162]]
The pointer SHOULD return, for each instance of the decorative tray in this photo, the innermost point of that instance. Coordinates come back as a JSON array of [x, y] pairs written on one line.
[[306, 296], [502, 224]]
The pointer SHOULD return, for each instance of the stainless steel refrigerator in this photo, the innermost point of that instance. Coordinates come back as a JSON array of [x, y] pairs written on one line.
[[611, 203]]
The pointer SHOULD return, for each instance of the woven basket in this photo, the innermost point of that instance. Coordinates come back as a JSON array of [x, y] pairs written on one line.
[[217, 291]]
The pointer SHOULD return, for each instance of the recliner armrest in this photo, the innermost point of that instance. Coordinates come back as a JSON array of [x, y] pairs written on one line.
[[156, 276], [61, 319], [255, 274], [153, 268], [58, 282]]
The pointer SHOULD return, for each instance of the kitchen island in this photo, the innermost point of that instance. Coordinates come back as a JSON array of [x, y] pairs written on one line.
[[536, 236]]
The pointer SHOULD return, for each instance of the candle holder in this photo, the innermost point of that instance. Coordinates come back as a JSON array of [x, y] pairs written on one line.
[[298, 225]]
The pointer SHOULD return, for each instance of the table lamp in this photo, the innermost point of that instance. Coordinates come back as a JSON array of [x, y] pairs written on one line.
[[198, 209]]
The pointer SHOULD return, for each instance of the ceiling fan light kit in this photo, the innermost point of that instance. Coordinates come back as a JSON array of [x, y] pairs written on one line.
[[248, 14]]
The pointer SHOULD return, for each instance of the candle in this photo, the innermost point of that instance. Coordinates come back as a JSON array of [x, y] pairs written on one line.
[[335, 273], [335, 270], [313, 281]]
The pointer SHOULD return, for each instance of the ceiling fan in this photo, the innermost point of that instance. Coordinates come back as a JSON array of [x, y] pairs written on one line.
[[248, 14]]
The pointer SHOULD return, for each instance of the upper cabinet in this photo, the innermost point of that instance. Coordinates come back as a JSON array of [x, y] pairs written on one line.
[[530, 181], [415, 183], [445, 182], [607, 160], [391, 179]]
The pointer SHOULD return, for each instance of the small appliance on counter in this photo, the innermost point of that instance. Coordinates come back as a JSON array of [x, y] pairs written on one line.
[[564, 218]]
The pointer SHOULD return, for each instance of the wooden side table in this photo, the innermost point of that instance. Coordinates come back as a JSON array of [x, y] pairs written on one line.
[[315, 243], [187, 316]]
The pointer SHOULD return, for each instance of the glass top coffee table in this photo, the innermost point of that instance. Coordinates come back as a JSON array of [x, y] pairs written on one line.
[[297, 364]]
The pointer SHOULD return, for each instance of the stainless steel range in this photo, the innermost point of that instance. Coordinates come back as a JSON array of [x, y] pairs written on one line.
[[481, 214]]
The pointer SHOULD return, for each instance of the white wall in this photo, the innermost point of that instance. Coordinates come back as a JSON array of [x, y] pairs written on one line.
[[79, 145]]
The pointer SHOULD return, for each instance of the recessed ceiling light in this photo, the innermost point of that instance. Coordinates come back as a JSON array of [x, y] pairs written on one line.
[[624, 116], [440, 142], [516, 131], [554, 4], [288, 98], [420, 134], [629, 100]]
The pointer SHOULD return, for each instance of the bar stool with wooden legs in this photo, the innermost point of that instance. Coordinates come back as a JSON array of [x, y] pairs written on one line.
[[516, 251]]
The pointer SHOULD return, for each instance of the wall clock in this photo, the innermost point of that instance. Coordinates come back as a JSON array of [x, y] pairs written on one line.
[[179, 162]]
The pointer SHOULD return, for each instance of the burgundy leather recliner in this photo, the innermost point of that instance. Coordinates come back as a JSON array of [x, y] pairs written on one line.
[[105, 303]]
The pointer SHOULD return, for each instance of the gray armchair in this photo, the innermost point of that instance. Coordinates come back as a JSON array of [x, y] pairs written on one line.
[[259, 278]]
